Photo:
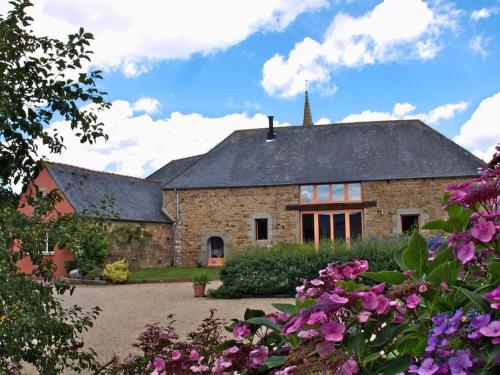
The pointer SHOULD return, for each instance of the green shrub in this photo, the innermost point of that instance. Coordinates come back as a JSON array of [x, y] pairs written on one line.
[[116, 272], [277, 271]]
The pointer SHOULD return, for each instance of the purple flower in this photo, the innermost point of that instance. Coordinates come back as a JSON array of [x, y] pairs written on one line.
[[465, 252], [176, 355], [483, 230], [194, 356], [324, 348], [317, 317], [379, 288], [494, 297], [333, 331], [308, 334], [258, 356], [383, 305], [491, 330], [338, 299], [233, 350], [460, 363], [428, 367], [317, 282], [288, 370], [199, 368], [349, 367], [293, 325], [412, 300], [241, 330], [369, 300], [480, 321], [363, 316], [159, 364], [221, 364]]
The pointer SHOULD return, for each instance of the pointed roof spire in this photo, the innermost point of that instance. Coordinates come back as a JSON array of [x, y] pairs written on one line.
[[307, 122]]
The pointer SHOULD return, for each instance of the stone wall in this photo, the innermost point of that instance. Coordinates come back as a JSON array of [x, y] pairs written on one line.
[[230, 213], [397, 197], [153, 251]]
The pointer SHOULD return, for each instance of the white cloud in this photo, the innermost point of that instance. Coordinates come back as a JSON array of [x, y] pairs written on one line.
[[133, 35], [139, 144], [481, 132], [483, 13], [478, 45], [148, 105], [405, 111], [323, 121], [392, 30]]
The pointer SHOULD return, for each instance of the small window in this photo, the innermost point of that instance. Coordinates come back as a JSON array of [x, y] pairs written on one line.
[[323, 193], [354, 192], [216, 247], [49, 243], [306, 194], [409, 223], [338, 192], [261, 229]]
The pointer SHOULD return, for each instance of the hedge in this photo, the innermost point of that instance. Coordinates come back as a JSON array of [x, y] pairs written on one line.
[[278, 270]]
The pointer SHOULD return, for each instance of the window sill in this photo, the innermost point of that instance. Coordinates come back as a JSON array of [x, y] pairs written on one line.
[[331, 206]]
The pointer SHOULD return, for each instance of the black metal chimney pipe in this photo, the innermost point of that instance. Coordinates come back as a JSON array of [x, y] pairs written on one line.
[[270, 133]]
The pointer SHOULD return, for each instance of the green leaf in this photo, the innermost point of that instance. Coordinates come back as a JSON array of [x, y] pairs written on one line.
[[387, 334], [272, 362], [398, 258], [494, 271], [436, 225], [391, 277], [447, 272], [370, 358], [259, 321], [225, 345], [356, 343], [249, 313], [286, 307], [396, 365], [416, 254], [475, 298], [444, 254]]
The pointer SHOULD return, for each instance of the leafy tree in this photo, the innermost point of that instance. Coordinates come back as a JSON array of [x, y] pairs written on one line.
[[41, 79]]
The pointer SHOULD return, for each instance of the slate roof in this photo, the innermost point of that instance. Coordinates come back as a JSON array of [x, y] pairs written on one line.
[[380, 150], [135, 199], [173, 169]]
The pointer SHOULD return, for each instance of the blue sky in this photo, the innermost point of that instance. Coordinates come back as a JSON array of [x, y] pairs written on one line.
[[183, 75]]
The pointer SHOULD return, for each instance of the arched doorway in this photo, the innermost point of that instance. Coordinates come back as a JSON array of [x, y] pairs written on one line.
[[215, 247]]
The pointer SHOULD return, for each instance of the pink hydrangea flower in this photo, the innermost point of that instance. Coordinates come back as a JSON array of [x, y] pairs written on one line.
[[288, 370], [466, 252], [317, 317], [494, 298], [491, 330], [338, 299], [308, 334], [159, 364], [233, 350], [333, 331], [350, 367], [428, 367], [194, 355], [383, 305], [199, 368], [483, 230], [363, 316], [412, 300], [379, 288], [241, 330], [176, 355], [369, 300], [258, 356], [221, 364], [317, 282], [293, 325]]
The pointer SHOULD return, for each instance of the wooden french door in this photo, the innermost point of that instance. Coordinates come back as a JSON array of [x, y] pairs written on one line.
[[317, 226]]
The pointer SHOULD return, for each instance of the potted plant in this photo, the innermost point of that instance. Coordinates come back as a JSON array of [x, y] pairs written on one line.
[[200, 281]]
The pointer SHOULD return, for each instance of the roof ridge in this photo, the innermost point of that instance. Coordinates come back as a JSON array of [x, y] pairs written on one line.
[[103, 172]]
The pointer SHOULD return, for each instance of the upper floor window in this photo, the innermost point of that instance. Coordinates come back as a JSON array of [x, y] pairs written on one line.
[[330, 193]]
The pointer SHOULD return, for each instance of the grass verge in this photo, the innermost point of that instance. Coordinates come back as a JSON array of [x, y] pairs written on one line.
[[172, 273]]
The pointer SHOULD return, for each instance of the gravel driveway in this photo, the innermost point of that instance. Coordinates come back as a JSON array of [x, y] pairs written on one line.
[[126, 309]]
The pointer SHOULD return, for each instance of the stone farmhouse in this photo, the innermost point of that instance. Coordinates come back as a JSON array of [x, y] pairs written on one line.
[[262, 186]]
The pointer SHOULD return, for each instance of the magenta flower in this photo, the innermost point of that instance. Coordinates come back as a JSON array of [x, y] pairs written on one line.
[[465, 252], [333, 331], [349, 367], [194, 355], [288, 370], [199, 368], [422, 288], [363, 316], [293, 325], [241, 330], [369, 300], [317, 317], [308, 334], [483, 230], [494, 298], [233, 350], [491, 330], [428, 367], [159, 364], [379, 288], [258, 356], [317, 282], [412, 300], [338, 299], [221, 364], [383, 305], [176, 355]]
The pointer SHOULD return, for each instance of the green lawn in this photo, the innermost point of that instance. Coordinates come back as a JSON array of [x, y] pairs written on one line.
[[172, 273]]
